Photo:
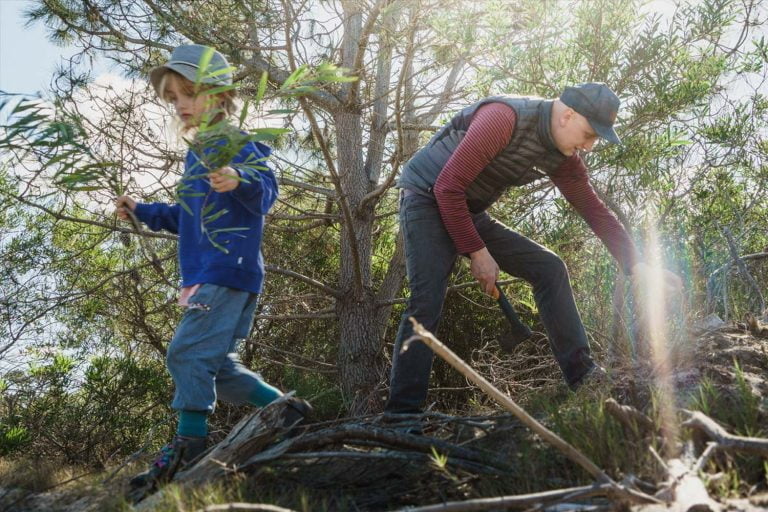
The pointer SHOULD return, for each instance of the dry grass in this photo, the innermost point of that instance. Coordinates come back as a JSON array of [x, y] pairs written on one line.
[[35, 475], [52, 485]]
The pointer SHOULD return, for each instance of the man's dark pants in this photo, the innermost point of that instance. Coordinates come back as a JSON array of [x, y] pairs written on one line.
[[430, 256]]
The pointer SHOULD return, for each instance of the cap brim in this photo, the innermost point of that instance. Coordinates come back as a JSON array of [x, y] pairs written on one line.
[[156, 74], [605, 132]]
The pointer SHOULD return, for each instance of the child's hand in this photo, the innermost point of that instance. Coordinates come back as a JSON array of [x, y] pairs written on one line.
[[124, 204], [224, 179]]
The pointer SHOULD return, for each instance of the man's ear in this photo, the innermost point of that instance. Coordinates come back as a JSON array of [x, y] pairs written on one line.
[[563, 117]]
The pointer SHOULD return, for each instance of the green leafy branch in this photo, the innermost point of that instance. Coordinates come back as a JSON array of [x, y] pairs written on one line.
[[58, 142]]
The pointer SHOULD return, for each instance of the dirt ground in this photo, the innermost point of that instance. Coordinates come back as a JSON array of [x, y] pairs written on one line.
[[714, 355], [722, 358]]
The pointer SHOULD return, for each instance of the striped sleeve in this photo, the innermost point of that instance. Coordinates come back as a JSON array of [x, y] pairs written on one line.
[[489, 132], [572, 181]]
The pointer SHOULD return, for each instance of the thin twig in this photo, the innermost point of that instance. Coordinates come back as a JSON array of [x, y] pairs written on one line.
[[260, 507], [450, 289], [149, 253], [305, 279], [658, 459], [705, 456]]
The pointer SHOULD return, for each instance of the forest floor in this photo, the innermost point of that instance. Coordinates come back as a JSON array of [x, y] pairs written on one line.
[[365, 464]]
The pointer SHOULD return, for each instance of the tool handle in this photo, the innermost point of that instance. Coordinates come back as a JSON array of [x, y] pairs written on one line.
[[520, 331]]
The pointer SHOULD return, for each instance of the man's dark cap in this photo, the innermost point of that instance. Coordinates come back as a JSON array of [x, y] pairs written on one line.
[[598, 103]]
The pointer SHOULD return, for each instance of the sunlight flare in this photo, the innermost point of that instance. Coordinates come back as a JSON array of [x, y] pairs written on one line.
[[654, 300]]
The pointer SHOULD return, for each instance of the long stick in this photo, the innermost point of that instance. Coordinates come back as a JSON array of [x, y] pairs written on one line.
[[441, 350], [519, 501]]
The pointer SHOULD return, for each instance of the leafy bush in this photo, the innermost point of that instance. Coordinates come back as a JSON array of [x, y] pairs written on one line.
[[12, 438]]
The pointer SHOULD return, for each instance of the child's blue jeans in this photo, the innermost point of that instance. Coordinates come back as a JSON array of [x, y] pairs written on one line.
[[202, 356]]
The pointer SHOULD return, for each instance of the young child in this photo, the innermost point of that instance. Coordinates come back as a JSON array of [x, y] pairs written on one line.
[[220, 258]]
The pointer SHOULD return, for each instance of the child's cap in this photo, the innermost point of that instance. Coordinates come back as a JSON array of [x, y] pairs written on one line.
[[185, 60]]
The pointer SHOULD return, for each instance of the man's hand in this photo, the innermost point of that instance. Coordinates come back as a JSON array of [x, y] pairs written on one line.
[[225, 179], [643, 275], [485, 270], [123, 205]]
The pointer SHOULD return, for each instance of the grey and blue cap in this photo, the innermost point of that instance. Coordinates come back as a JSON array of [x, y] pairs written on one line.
[[598, 103], [186, 60]]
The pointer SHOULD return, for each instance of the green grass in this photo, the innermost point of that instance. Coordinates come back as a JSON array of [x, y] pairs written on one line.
[[740, 412], [243, 488], [325, 396]]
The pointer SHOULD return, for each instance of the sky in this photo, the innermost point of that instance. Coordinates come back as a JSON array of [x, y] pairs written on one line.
[[27, 58]]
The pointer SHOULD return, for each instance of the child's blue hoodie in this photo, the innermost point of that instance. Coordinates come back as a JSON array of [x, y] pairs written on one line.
[[237, 262]]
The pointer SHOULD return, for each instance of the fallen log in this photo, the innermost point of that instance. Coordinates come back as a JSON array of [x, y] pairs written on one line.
[[685, 491], [344, 449], [244, 507]]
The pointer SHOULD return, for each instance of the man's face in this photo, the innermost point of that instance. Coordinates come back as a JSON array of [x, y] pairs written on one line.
[[572, 132]]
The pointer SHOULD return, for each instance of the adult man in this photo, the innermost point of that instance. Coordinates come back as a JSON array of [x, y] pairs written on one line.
[[499, 142]]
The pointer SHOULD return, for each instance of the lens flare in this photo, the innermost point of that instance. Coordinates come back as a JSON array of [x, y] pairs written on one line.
[[654, 299]]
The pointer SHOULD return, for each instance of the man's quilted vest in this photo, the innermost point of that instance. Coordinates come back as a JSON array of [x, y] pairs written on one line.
[[529, 156]]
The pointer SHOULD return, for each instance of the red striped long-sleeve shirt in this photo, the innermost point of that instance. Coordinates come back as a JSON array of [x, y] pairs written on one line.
[[489, 133]]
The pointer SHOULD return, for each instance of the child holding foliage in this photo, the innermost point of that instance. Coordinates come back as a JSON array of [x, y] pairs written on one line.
[[222, 198]]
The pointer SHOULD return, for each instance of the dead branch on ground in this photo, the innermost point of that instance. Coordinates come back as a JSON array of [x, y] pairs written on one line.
[[617, 490]]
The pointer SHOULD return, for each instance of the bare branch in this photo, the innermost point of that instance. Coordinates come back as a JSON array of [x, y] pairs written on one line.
[[519, 501], [697, 420], [451, 289], [363, 39], [326, 313], [306, 186], [308, 280]]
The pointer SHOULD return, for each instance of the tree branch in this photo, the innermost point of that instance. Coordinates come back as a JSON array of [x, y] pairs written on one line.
[[363, 39], [326, 313], [697, 420], [305, 186], [519, 501], [305, 279], [451, 289], [743, 270]]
